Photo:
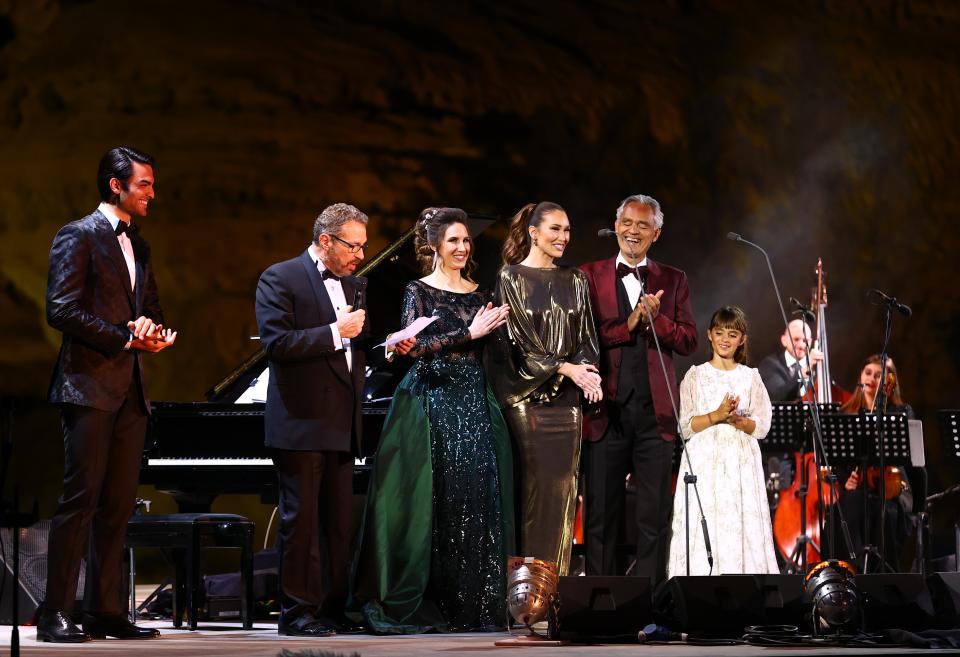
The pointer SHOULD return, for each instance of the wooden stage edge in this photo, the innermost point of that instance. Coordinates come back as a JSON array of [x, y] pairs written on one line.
[[228, 639]]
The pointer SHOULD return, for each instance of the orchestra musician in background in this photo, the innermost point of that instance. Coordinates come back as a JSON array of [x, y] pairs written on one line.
[[781, 371], [898, 496]]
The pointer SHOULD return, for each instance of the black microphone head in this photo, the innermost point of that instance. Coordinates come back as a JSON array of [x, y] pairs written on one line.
[[734, 236], [606, 232]]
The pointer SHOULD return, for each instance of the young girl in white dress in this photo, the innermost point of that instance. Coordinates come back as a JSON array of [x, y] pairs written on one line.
[[724, 411]]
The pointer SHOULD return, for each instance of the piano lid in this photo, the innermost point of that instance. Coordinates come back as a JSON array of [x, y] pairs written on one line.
[[388, 271]]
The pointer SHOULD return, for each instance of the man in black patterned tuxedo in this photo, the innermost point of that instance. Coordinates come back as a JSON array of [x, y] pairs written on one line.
[[102, 295], [316, 343]]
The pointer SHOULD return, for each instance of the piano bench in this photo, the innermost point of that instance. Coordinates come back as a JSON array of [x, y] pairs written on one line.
[[185, 534]]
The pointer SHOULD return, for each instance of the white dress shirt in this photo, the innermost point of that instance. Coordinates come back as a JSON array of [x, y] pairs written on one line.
[[125, 244], [339, 301], [632, 284]]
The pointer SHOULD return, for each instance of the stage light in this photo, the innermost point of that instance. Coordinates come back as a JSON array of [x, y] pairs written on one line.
[[834, 596], [531, 590]]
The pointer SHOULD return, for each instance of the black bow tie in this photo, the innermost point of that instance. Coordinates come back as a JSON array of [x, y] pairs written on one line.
[[326, 273], [124, 227], [624, 270]]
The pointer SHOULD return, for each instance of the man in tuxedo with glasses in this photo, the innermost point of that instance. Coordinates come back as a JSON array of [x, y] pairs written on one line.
[[316, 344]]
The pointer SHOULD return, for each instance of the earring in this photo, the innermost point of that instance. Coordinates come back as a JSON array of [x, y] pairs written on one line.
[[434, 260]]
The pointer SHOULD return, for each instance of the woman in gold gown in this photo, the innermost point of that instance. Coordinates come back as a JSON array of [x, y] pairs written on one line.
[[541, 366]]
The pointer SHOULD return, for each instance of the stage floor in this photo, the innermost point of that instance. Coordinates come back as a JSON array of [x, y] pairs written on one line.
[[229, 640]]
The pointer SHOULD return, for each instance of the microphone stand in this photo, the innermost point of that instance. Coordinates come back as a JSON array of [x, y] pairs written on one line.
[[879, 410], [689, 478], [819, 453]]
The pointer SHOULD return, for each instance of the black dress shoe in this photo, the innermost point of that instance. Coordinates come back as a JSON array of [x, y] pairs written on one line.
[[56, 626], [305, 625], [345, 625], [100, 626]]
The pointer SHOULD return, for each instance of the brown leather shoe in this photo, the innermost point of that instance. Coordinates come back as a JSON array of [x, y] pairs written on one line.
[[100, 626], [56, 626]]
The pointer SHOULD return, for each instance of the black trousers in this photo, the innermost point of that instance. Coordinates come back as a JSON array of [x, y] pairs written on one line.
[[315, 531], [632, 444], [102, 453]]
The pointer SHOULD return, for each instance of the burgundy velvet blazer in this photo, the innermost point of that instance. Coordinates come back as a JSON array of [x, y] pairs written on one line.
[[675, 327]]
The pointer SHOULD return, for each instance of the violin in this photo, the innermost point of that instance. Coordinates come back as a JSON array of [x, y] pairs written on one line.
[[893, 482]]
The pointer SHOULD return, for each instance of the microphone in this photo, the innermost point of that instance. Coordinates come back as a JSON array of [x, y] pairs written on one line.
[[735, 237], [901, 308], [606, 232], [360, 293], [802, 309]]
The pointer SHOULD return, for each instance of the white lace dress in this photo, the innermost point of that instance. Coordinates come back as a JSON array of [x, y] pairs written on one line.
[[729, 475]]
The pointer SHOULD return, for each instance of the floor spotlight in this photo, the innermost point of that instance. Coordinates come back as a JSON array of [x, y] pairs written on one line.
[[531, 596], [835, 598]]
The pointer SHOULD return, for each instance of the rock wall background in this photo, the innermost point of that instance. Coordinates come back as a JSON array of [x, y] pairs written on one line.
[[818, 129]]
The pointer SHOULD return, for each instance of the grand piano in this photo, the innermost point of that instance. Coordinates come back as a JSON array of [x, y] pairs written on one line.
[[197, 450]]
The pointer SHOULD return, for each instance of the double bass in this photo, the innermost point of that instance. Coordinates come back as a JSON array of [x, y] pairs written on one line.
[[786, 518]]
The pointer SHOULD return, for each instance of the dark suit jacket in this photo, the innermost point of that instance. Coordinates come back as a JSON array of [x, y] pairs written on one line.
[[313, 400], [676, 330], [780, 382], [90, 301]]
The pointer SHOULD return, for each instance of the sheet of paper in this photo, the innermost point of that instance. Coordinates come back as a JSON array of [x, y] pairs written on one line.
[[411, 331]]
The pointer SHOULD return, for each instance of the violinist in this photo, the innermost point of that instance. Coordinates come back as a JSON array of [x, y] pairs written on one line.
[[897, 495], [781, 371]]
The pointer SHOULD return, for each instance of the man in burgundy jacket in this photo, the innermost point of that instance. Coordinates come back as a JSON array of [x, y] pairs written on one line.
[[634, 428]]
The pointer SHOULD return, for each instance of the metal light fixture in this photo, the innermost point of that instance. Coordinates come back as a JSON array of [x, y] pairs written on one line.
[[531, 595], [834, 596]]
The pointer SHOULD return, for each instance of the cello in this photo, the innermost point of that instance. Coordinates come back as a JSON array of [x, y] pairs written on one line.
[[786, 518]]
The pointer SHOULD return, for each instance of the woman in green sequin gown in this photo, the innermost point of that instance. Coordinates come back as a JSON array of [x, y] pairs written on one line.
[[438, 523]]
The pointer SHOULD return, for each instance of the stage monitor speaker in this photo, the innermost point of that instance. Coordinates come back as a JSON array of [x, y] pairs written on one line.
[[33, 572], [896, 601], [603, 607], [723, 605], [945, 590]]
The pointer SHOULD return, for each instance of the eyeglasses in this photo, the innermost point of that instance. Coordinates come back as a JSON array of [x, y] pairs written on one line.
[[352, 248]]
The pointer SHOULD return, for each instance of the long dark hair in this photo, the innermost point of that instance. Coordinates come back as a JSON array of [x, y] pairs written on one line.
[[731, 317], [517, 245], [431, 228], [858, 401]]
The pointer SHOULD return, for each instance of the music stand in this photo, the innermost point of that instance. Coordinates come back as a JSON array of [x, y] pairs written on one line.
[[789, 432], [855, 439], [949, 421], [787, 425]]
